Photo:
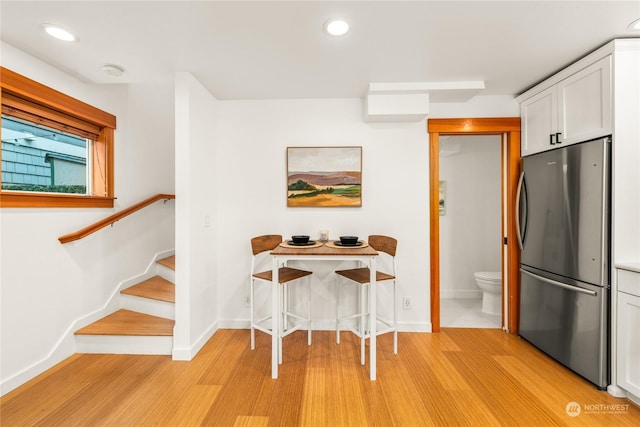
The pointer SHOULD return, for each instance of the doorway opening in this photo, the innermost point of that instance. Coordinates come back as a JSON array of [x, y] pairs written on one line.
[[509, 130], [471, 231]]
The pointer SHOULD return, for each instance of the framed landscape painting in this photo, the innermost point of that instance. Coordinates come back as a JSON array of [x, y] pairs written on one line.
[[324, 176]]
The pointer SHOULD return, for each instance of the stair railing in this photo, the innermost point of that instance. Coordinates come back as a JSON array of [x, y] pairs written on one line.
[[113, 218]]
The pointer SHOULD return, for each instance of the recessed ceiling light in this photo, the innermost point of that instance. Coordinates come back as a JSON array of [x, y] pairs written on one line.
[[336, 27], [634, 26], [112, 70], [59, 33]]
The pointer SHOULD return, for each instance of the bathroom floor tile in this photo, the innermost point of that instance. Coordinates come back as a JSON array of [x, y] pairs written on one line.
[[466, 313]]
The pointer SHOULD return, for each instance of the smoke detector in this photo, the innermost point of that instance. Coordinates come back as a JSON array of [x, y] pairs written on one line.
[[112, 70]]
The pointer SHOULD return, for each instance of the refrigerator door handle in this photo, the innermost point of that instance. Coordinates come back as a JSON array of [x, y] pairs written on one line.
[[559, 284], [518, 195]]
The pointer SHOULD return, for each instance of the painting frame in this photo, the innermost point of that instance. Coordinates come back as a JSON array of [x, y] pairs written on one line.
[[324, 176]]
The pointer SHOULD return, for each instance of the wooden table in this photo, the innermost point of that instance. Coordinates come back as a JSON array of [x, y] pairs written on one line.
[[366, 255]]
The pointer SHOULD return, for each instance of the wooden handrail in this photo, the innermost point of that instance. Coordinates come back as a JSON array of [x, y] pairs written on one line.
[[113, 218]]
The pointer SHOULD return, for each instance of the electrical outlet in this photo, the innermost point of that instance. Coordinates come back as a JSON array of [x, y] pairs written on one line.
[[407, 303], [247, 301]]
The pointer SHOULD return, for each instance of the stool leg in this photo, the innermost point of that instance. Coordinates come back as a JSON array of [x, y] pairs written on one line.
[[337, 311], [363, 310], [253, 330], [395, 320], [281, 320], [285, 307], [309, 311]]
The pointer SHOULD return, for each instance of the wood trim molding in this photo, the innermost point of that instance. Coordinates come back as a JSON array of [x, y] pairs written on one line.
[[477, 126], [509, 126], [514, 166], [25, 88], [27, 99], [113, 218], [434, 229], [17, 199], [103, 165]]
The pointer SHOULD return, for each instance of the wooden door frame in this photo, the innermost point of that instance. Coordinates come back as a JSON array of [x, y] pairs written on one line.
[[510, 128]]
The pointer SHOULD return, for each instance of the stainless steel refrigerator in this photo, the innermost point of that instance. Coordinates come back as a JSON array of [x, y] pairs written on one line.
[[563, 227]]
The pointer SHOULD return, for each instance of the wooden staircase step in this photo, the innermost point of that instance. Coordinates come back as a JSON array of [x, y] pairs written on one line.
[[169, 262], [156, 288], [126, 322]]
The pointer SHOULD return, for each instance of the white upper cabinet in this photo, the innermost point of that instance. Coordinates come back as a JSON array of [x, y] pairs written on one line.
[[575, 109], [584, 103], [539, 116]]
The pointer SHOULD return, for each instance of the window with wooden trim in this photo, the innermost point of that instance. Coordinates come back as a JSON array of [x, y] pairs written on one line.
[[57, 151]]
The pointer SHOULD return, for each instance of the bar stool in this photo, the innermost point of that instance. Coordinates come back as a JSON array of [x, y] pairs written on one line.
[[260, 247], [360, 276]]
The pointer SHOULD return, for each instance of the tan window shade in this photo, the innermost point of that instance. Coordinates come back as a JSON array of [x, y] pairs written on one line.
[[29, 111]]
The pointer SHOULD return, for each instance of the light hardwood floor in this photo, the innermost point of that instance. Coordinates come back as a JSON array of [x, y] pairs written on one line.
[[472, 377]]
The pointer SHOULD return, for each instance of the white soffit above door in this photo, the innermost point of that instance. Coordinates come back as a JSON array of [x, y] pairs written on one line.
[[461, 91], [409, 101]]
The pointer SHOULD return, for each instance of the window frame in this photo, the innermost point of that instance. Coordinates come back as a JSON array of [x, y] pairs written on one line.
[[20, 95]]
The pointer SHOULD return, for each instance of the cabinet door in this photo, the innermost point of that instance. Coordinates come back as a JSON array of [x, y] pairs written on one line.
[[539, 122], [628, 339], [584, 103]]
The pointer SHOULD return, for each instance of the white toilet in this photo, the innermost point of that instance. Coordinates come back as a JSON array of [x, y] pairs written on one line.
[[491, 284]]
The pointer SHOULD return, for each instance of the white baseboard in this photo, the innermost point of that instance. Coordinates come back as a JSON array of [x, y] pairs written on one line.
[[329, 325], [64, 349], [616, 391], [233, 324], [414, 327], [188, 353], [633, 398]]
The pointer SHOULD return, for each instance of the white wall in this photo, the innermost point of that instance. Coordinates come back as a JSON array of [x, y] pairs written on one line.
[[196, 203], [49, 290], [470, 235], [251, 170], [478, 106]]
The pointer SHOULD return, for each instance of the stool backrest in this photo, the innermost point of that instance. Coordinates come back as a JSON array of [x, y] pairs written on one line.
[[384, 244], [264, 243]]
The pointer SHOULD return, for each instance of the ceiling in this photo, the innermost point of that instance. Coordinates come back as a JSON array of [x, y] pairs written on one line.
[[266, 50]]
